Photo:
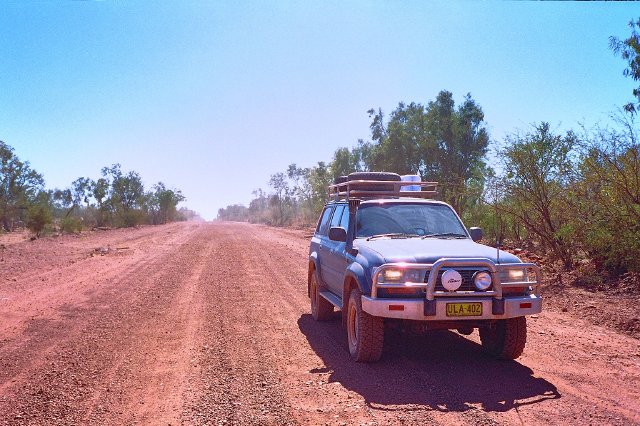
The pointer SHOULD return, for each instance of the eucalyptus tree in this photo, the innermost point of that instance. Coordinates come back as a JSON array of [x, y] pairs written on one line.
[[162, 203], [629, 50], [454, 148], [19, 186], [126, 194], [440, 142]]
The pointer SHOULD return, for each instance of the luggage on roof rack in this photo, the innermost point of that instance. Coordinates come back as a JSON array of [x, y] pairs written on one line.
[[368, 185]]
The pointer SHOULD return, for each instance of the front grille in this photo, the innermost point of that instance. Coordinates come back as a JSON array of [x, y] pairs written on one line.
[[467, 280]]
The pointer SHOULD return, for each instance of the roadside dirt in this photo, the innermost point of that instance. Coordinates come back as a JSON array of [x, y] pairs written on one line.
[[613, 304], [194, 323]]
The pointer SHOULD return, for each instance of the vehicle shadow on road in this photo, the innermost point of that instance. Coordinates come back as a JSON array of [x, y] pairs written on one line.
[[440, 370]]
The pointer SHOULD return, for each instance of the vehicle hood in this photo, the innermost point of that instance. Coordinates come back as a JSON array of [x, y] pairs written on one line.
[[429, 250]]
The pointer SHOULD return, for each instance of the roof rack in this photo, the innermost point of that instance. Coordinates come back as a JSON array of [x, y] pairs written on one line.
[[369, 189]]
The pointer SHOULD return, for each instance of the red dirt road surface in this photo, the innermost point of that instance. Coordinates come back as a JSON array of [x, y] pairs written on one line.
[[209, 324]]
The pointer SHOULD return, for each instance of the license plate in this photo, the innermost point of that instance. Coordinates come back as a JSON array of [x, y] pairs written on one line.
[[464, 309]]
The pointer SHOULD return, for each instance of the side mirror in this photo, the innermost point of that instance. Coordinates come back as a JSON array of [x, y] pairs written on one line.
[[476, 233], [337, 234]]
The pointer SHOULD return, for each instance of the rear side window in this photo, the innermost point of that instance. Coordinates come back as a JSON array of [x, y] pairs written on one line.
[[323, 224], [344, 221], [335, 220]]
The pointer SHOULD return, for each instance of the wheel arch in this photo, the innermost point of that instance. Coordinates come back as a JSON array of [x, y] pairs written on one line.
[[355, 272], [353, 278]]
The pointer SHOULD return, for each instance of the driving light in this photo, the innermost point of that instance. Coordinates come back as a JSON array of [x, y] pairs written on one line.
[[451, 279], [482, 280]]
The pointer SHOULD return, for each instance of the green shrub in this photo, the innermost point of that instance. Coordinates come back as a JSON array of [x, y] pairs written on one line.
[[71, 225], [38, 216], [131, 218]]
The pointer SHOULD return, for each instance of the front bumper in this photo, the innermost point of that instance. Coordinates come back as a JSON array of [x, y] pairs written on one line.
[[414, 309]]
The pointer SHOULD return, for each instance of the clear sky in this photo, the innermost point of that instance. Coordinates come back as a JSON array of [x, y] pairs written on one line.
[[214, 97]]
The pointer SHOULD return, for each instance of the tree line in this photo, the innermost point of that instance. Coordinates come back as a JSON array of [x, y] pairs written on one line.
[[575, 194], [116, 199]]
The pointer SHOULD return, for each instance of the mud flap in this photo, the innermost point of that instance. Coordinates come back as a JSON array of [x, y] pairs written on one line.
[[429, 308]]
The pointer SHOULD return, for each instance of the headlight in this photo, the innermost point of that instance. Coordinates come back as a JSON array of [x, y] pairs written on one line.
[[392, 276], [397, 276], [482, 280]]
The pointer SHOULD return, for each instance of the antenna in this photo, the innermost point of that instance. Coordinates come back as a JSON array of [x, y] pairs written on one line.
[[497, 219]]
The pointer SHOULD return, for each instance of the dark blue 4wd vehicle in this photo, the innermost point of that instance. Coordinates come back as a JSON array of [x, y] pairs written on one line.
[[388, 256]]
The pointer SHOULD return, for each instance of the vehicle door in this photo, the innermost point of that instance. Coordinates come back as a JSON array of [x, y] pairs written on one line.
[[319, 243], [335, 259]]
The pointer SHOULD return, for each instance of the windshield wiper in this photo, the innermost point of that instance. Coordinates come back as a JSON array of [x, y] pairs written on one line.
[[445, 234], [392, 235]]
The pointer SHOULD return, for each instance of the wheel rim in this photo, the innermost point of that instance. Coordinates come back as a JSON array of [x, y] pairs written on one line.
[[352, 327]]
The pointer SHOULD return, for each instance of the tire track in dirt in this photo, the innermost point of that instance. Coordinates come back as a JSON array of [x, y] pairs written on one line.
[[164, 327], [41, 313], [31, 285], [85, 343], [240, 381]]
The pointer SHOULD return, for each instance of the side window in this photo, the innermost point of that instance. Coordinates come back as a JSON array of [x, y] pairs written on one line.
[[344, 221], [323, 225], [335, 219]]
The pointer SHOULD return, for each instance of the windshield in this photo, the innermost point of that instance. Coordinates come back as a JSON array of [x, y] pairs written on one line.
[[419, 219]]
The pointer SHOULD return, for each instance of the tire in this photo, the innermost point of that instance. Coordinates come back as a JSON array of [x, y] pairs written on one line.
[[340, 179], [391, 177], [321, 308], [505, 339], [365, 333]]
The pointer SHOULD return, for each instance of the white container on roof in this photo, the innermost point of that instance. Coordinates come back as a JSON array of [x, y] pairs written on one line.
[[410, 178]]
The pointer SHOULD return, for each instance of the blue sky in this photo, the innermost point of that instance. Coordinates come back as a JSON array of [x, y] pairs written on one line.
[[214, 97]]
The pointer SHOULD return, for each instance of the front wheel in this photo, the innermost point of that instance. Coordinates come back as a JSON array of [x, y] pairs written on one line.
[[321, 308], [505, 339], [365, 333]]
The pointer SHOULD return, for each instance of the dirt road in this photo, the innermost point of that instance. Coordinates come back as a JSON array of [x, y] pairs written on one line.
[[209, 324]]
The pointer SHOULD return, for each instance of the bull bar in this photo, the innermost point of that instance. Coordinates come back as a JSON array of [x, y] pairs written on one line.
[[433, 306]]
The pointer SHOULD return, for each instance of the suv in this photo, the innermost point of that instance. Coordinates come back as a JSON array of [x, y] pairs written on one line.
[[387, 256]]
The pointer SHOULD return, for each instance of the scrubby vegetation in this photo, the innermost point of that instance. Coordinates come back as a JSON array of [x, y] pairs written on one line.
[[116, 199]]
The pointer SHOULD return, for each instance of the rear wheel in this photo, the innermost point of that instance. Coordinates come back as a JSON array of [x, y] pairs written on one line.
[[321, 309], [365, 333], [505, 339]]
